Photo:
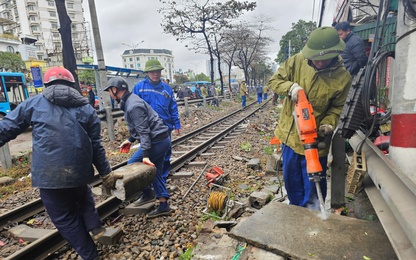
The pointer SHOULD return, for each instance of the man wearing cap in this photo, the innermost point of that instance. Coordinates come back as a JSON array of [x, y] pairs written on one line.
[[318, 69], [160, 97], [354, 54], [145, 125]]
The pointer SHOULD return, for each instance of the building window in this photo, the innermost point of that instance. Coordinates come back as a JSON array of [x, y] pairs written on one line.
[[51, 3], [55, 35], [31, 8], [70, 5], [40, 57], [72, 16], [52, 14], [124, 59], [34, 28], [54, 25], [10, 49], [137, 58], [130, 59], [131, 66], [138, 65], [32, 17]]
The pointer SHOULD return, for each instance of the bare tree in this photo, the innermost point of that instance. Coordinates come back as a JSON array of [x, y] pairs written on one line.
[[252, 44], [191, 19]]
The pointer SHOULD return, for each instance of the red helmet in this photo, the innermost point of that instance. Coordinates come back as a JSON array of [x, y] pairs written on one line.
[[58, 73]]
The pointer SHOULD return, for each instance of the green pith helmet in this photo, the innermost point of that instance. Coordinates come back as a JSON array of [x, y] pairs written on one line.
[[323, 43], [152, 65]]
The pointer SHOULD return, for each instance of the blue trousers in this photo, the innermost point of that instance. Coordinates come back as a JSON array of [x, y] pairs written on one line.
[[157, 156], [243, 101], [166, 162], [300, 190], [73, 213], [265, 96], [259, 97]]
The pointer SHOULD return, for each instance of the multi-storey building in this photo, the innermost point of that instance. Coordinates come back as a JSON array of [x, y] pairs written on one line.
[[136, 59], [35, 23]]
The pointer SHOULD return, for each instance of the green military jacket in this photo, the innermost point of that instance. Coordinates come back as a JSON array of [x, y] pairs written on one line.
[[326, 90], [243, 89]]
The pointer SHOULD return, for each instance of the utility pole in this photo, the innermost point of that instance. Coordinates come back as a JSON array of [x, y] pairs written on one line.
[[102, 72], [403, 119]]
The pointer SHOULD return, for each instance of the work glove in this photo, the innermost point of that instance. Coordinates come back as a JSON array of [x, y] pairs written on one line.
[[293, 92], [325, 130], [125, 146], [178, 131], [147, 161], [109, 180]]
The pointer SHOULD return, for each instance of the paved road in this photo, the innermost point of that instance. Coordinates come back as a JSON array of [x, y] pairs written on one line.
[[22, 144]]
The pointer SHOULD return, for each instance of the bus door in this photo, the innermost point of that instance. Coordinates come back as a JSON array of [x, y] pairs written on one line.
[[13, 92]]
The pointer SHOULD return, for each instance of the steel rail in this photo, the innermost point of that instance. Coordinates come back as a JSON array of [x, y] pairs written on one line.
[[49, 244], [36, 206]]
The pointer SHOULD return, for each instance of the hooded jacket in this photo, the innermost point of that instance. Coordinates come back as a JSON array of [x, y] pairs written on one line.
[[160, 97], [326, 90], [354, 55], [66, 136]]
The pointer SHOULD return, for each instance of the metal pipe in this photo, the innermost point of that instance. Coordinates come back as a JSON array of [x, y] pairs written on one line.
[[394, 186]]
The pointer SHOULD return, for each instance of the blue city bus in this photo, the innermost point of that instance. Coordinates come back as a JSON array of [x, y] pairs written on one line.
[[13, 91]]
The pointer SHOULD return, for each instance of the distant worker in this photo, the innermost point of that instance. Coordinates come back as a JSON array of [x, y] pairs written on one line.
[[354, 55], [66, 133], [265, 92], [243, 93], [91, 96], [145, 125], [259, 91], [160, 97], [319, 71]]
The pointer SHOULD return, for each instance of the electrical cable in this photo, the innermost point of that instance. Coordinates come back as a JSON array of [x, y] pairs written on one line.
[[217, 201]]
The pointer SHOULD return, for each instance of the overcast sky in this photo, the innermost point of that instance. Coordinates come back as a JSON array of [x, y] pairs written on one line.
[[129, 22]]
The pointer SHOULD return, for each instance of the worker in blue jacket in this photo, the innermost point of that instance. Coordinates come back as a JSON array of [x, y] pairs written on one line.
[[145, 125], [66, 136], [160, 97]]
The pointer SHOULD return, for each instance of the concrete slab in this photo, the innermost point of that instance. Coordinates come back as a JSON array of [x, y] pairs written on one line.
[[131, 209], [27, 233], [301, 233], [111, 236]]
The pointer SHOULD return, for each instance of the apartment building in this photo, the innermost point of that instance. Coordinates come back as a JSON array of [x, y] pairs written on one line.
[[136, 59], [35, 24]]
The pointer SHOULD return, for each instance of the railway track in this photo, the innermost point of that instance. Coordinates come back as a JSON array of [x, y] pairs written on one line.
[[185, 149]]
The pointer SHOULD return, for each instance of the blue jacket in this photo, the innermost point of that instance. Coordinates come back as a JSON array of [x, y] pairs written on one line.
[[143, 122], [66, 136], [354, 54], [161, 98]]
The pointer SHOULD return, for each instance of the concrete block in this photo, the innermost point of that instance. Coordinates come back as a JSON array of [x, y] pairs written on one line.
[[136, 177], [258, 199], [6, 180], [131, 209], [217, 147], [271, 166], [179, 175], [272, 189], [111, 236], [196, 164], [27, 233], [204, 155], [254, 163]]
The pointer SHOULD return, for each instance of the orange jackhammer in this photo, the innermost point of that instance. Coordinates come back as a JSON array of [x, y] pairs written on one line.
[[306, 125]]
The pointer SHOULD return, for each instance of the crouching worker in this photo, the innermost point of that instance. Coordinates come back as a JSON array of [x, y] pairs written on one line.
[[66, 134], [145, 125]]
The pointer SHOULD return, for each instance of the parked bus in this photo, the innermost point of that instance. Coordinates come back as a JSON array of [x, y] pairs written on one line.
[[13, 91]]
